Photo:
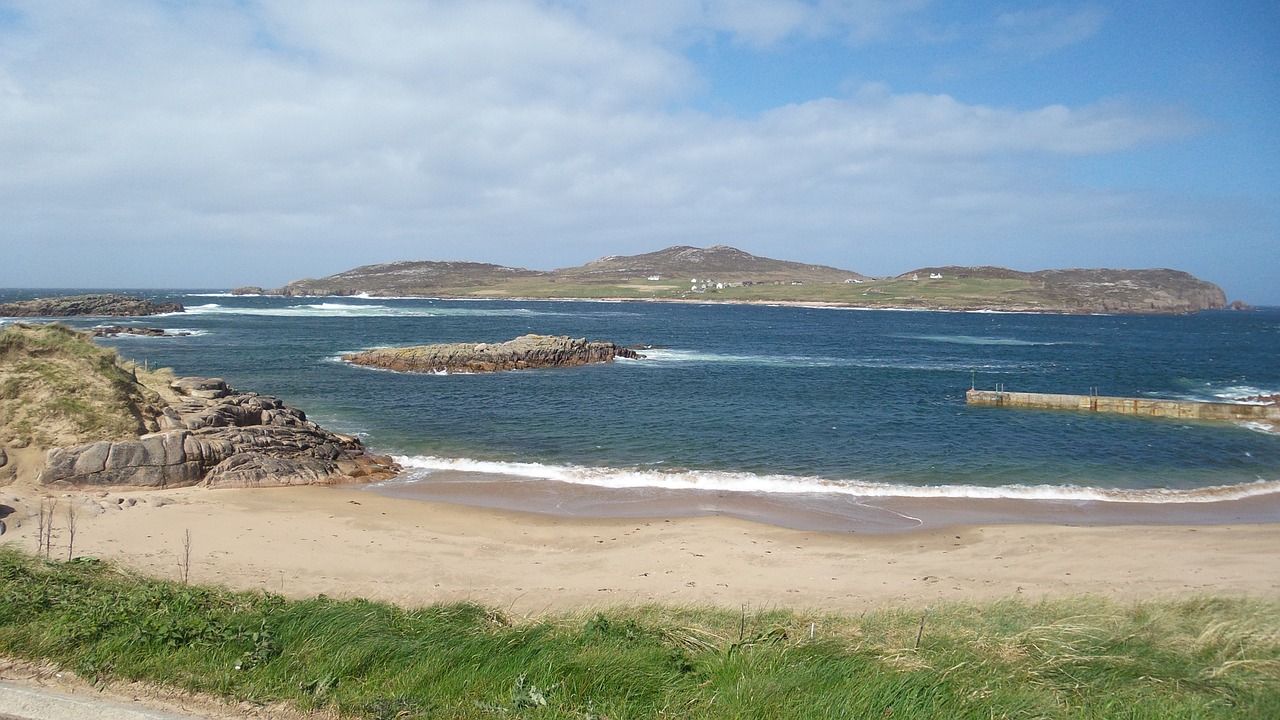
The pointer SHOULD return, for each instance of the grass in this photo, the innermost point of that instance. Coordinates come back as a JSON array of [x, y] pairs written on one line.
[[1082, 658], [54, 378], [946, 293]]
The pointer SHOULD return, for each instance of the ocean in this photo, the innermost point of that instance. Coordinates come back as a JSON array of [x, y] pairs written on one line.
[[831, 419]]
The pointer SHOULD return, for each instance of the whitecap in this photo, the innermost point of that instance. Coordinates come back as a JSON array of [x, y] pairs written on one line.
[[421, 466]]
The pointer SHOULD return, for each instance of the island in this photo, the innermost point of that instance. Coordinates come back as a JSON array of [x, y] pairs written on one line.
[[102, 304], [726, 274], [522, 353]]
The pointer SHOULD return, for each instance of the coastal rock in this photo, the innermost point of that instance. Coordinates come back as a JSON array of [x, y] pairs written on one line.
[[116, 330], [1260, 399], [526, 352], [221, 438], [208, 388], [153, 461], [73, 305]]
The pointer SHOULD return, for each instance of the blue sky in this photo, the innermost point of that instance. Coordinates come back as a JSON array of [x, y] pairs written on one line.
[[213, 144]]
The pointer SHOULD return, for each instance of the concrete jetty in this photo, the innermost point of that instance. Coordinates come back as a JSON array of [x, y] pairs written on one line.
[[1149, 407]]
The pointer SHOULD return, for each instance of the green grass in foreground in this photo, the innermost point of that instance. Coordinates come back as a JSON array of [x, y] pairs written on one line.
[[1083, 658]]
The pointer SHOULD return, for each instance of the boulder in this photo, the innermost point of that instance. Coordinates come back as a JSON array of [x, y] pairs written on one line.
[[157, 460], [207, 388]]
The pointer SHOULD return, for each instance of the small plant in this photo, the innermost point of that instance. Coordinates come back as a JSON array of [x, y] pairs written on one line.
[[71, 530], [44, 541], [264, 648], [184, 562]]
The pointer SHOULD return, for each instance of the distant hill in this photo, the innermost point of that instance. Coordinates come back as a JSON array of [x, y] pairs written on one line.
[[1097, 290], [722, 273], [720, 263], [410, 277]]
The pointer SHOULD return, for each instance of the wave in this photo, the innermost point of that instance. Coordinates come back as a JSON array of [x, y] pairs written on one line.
[[1228, 393], [1261, 427], [983, 340], [334, 309], [668, 355], [168, 334], [422, 466]]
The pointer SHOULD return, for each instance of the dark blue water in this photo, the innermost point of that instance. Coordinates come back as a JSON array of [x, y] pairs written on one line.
[[757, 398]]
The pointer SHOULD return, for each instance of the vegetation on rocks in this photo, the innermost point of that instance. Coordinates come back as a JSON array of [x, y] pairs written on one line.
[[57, 388], [76, 413], [1083, 658]]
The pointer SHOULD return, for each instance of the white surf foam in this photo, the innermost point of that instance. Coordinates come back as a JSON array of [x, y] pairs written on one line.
[[983, 340], [674, 356], [337, 309], [421, 466]]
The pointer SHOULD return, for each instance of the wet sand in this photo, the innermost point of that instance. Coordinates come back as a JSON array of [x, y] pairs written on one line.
[[352, 542], [828, 512]]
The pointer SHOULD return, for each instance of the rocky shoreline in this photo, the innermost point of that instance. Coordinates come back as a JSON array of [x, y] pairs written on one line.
[[522, 353], [88, 305], [220, 438]]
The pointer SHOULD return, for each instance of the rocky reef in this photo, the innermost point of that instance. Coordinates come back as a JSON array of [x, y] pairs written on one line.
[[526, 352], [94, 305], [219, 437], [106, 331]]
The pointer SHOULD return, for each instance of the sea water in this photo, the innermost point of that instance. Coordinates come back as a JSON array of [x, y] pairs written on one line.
[[825, 406]]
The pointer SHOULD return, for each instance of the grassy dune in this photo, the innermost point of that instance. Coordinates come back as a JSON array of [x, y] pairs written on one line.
[[1083, 658], [58, 388]]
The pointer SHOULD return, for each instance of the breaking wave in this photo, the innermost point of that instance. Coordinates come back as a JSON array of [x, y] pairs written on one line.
[[667, 355], [420, 467], [335, 309], [983, 340]]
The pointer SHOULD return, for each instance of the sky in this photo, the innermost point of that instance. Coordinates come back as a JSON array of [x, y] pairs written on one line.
[[219, 143]]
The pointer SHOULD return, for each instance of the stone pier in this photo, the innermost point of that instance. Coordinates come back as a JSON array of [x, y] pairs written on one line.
[[1149, 407]]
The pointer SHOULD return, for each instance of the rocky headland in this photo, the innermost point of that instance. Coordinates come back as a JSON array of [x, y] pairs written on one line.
[[526, 352], [72, 413], [91, 305]]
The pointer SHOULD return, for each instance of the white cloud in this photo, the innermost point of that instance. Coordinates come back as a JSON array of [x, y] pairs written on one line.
[[755, 23], [305, 138], [1044, 31]]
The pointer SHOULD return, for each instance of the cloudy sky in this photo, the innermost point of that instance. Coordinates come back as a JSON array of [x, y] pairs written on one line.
[[189, 143]]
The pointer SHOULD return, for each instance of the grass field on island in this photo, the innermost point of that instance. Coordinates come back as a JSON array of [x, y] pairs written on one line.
[[1081, 658]]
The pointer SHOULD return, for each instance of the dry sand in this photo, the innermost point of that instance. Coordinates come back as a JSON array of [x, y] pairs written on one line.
[[349, 542]]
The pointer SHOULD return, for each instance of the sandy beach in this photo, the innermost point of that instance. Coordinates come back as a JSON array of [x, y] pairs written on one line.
[[349, 542]]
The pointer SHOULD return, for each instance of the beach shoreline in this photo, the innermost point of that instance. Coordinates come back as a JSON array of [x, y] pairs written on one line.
[[347, 541]]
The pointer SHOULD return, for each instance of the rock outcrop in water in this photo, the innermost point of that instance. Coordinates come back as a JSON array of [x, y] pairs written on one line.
[[221, 438], [526, 352], [75, 305], [106, 331]]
